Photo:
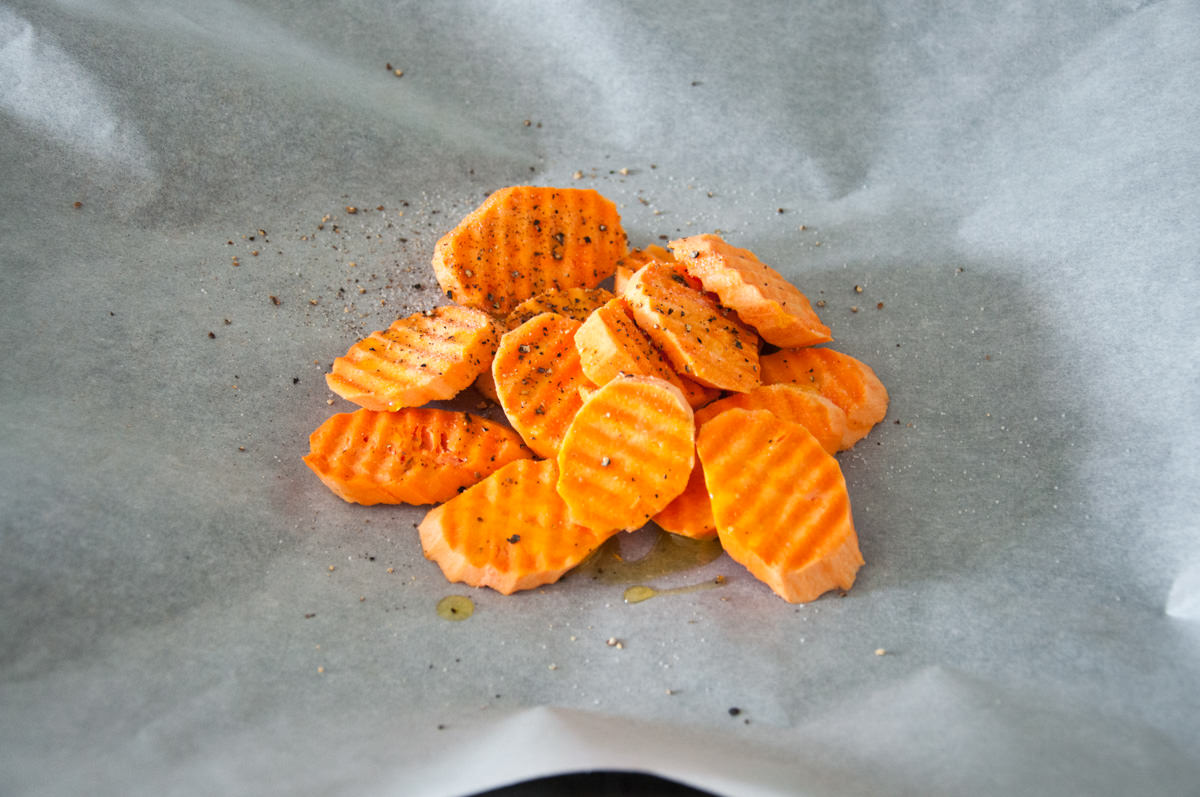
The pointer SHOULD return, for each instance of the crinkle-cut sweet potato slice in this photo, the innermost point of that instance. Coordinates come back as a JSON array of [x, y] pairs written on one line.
[[509, 532], [537, 375], [637, 258], [790, 402], [410, 456], [847, 382], [780, 503], [610, 343], [690, 513], [573, 303], [525, 240], [627, 454], [700, 339], [485, 383], [425, 357], [759, 294]]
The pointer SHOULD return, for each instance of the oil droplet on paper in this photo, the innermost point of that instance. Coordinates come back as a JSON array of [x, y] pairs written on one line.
[[641, 592], [455, 607]]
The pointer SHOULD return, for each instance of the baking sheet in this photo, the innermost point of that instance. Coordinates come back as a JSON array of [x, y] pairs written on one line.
[[1014, 188]]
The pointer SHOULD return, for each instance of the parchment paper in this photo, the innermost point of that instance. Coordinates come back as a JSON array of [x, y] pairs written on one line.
[[187, 610]]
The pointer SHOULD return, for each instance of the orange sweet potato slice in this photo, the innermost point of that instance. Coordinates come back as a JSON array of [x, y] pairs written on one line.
[[637, 258], [537, 375], [576, 303], [690, 513], [610, 343], [847, 382], [485, 383], [509, 532], [790, 402], [700, 339], [411, 456], [525, 240], [759, 294], [424, 357], [627, 454], [780, 503]]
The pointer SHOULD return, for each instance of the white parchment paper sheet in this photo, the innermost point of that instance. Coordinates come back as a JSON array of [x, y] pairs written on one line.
[[185, 609]]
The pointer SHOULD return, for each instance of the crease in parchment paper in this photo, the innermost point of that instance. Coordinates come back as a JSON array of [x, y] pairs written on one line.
[[544, 741], [930, 729], [278, 57], [44, 87], [1183, 600]]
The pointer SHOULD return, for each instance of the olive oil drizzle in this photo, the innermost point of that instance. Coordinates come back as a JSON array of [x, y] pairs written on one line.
[[641, 592], [669, 553]]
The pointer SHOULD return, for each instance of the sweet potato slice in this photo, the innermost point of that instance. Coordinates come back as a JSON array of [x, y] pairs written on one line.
[[847, 382], [627, 454], [790, 402], [575, 303], [610, 343], [759, 294], [637, 258], [525, 240], [700, 339], [509, 532], [537, 375], [780, 503], [690, 513], [424, 357], [485, 383], [411, 456]]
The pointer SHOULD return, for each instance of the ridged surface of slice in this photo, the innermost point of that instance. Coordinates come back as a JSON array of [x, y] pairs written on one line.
[[701, 340], [690, 513], [538, 378], [759, 294], [525, 240], [847, 382], [424, 357], [574, 303], [411, 456], [791, 402], [510, 532], [610, 343], [780, 503], [628, 453]]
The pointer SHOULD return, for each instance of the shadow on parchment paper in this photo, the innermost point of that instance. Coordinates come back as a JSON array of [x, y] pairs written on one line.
[[973, 452]]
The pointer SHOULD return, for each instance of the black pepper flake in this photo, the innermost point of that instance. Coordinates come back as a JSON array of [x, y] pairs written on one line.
[[514, 538], [212, 334], [733, 712]]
